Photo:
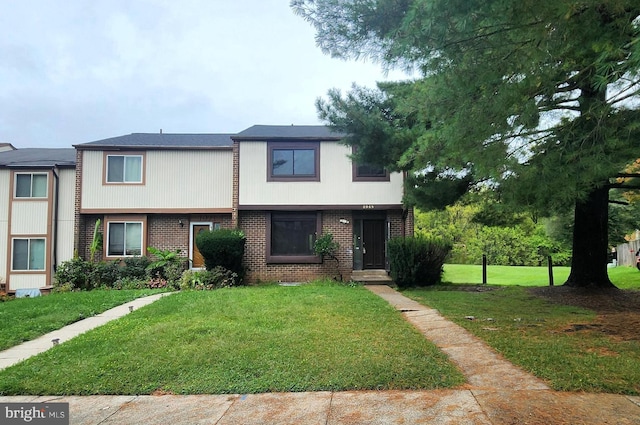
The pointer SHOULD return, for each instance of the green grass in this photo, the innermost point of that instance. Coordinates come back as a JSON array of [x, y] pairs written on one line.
[[25, 319], [533, 333], [622, 277], [243, 340]]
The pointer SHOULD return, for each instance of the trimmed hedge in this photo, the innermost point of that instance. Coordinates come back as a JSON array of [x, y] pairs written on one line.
[[222, 248], [417, 261]]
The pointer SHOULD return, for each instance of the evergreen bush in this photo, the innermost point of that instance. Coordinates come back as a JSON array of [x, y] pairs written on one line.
[[222, 248], [417, 261]]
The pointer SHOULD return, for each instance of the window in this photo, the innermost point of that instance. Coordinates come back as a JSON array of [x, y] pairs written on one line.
[[124, 169], [124, 239], [31, 185], [290, 237], [28, 254], [293, 161], [369, 172]]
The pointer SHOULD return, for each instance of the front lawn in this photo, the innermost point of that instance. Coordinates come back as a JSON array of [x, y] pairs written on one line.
[[573, 348], [623, 277], [243, 340], [24, 319]]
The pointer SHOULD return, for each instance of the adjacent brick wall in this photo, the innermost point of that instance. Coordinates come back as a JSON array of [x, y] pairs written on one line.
[[254, 225], [163, 231]]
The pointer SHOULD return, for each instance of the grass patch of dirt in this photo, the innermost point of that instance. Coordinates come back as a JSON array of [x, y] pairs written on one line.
[[618, 312]]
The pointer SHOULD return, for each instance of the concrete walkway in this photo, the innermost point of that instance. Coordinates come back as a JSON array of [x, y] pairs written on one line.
[[41, 344], [498, 393]]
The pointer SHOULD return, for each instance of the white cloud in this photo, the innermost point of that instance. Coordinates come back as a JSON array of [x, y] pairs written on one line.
[[78, 71]]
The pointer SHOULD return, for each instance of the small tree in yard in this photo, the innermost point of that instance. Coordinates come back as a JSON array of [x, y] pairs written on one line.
[[223, 247], [417, 261], [326, 247]]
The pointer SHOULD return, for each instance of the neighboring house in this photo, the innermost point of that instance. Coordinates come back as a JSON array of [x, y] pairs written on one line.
[[36, 214], [155, 190], [282, 185]]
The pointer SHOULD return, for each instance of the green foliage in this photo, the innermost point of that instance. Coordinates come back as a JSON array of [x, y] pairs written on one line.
[[224, 248], [167, 268], [30, 318], [79, 274], [239, 341], [535, 99], [135, 267], [325, 246], [218, 277], [524, 242], [96, 241], [417, 261], [74, 273]]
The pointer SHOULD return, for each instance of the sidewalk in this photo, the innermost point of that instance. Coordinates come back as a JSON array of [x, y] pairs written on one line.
[[41, 344], [497, 393]]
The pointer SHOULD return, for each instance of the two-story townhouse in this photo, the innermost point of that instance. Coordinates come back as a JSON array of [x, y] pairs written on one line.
[[282, 185], [297, 182], [36, 214], [155, 190]]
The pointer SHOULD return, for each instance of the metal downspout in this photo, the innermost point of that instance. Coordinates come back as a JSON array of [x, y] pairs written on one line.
[[55, 218]]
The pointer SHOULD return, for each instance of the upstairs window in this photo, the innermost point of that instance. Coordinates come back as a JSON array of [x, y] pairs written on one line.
[[369, 172], [124, 169], [31, 185], [293, 161]]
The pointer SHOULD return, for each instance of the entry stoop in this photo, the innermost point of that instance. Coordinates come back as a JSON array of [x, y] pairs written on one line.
[[371, 277]]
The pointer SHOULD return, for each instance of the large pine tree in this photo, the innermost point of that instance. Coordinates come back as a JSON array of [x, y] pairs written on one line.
[[536, 98]]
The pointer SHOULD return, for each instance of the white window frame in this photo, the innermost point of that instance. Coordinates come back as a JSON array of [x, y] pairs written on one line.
[[30, 266], [124, 170], [124, 250], [31, 180]]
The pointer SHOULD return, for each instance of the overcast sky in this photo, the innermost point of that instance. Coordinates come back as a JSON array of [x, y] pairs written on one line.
[[75, 71]]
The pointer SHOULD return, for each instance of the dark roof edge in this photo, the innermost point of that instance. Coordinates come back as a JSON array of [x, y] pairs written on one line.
[[148, 147]]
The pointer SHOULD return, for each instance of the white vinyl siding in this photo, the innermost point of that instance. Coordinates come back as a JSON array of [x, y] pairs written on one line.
[[66, 198], [30, 218], [173, 180], [336, 185]]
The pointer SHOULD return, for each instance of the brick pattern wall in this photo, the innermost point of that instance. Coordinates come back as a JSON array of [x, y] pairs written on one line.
[[409, 223], [163, 231], [254, 225], [235, 199], [78, 222]]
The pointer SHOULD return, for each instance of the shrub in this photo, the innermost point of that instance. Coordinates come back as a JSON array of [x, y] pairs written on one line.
[[126, 282], [74, 274], [135, 268], [105, 274], [417, 261], [219, 277], [222, 248]]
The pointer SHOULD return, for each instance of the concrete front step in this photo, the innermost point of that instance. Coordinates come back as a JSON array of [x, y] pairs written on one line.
[[371, 277]]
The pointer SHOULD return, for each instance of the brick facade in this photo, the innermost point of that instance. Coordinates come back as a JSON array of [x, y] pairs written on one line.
[[254, 224], [164, 231]]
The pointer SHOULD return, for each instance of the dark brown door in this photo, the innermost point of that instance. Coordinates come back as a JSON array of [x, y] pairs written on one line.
[[373, 244]]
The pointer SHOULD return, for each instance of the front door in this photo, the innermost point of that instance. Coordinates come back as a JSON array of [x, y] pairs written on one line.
[[373, 238], [197, 261]]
